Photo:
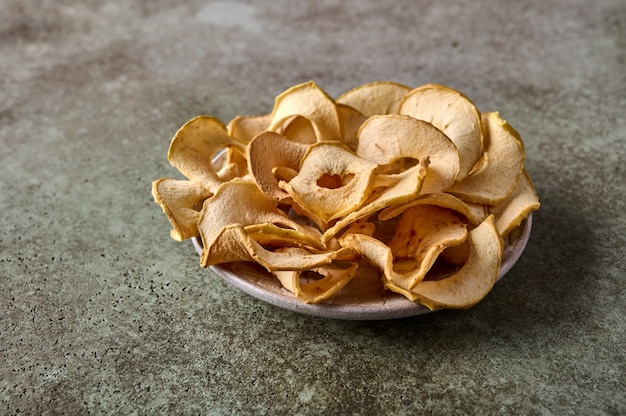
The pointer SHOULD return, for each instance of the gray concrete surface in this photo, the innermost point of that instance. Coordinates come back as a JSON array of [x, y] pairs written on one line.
[[101, 313]]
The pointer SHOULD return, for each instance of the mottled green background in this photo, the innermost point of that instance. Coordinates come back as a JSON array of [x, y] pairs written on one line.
[[102, 313]]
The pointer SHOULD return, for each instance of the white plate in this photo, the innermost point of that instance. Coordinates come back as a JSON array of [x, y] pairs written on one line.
[[356, 302]]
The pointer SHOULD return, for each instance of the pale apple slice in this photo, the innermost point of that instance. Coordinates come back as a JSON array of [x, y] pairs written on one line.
[[269, 153], [245, 128], [332, 181], [232, 243], [499, 168], [311, 102], [517, 206], [420, 235], [390, 138], [320, 284], [382, 97], [252, 208], [227, 234], [351, 121], [452, 113], [272, 235], [181, 202], [195, 145], [472, 282], [474, 214]]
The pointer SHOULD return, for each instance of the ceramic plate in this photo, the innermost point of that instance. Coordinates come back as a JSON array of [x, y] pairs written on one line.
[[361, 300]]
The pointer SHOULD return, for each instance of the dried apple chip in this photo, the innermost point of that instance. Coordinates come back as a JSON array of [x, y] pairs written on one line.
[[194, 146], [452, 113], [232, 243], [332, 181], [472, 282], [475, 214], [351, 121], [298, 129], [422, 233], [512, 211], [233, 164], [227, 234], [387, 139], [320, 284], [253, 208], [272, 235], [246, 128], [268, 152], [376, 98], [501, 164], [407, 186], [181, 202], [311, 102], [227, 244]]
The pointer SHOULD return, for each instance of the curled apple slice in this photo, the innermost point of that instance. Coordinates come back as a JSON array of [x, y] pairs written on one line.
[[253, 208], [475, 214], [517, 206], [246, 128], [452, 113], [311, 102], [320, 284], [332, 181], [500, 166], [194, 146], [268, 153], [181, 202], [421, 234], [391, 138], [472, 282], [232, 243], [376, 98]]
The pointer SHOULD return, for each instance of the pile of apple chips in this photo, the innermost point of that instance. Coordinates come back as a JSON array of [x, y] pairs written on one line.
[[415, 184]]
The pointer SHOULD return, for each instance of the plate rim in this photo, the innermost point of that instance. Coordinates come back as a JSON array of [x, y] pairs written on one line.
[[397, 306]]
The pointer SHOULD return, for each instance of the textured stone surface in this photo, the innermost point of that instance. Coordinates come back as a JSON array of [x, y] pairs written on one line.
[[100, 312]]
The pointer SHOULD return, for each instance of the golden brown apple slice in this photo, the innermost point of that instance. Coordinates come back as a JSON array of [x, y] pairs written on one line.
[[499, 168], [270, 152], [320, 284], [332, 181], [382, 97], [245, 128], [422, 233], [472, 282], [516, 208], [452, 113], [181, 202], [388, 139], [311, 102], [194, 146]]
